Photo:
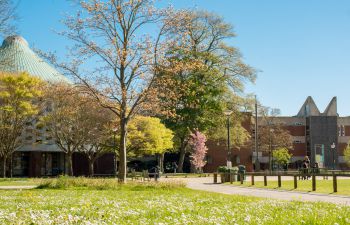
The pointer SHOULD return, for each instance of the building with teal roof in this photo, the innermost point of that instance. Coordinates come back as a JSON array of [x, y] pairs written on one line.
[[16, 56], [39, 155]]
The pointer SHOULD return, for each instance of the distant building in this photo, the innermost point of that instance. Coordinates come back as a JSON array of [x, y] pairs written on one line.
[[39, 155], [322, 137]]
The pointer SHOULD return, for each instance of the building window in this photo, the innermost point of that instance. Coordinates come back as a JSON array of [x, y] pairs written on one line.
[[341, 131]]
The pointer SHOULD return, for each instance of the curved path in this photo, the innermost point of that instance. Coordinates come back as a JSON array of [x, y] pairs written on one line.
[[206, 184]]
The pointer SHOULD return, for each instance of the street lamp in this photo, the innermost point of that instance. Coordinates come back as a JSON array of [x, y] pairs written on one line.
[[333, 151], [228, 113], [271, 156]]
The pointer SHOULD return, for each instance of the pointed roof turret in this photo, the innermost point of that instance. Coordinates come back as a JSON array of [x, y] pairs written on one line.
[[16, 56], [331, 109], [309, 108]]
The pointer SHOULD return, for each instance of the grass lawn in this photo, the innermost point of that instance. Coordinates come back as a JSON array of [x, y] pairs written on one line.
[[322, 186], [100, 201]]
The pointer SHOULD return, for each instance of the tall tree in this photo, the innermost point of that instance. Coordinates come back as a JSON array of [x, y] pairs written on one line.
[[19, 103], [193, 94], [111, 33]]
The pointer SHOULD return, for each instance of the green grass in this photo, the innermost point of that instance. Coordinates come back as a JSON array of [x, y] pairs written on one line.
[[80, 201], [322, 186]]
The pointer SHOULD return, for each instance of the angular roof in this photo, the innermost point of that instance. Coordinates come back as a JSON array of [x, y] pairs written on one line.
[[309, 108], [16, 56]]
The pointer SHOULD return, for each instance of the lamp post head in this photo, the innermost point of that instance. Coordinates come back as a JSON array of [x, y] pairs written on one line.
[[228, 112], [333, 146]]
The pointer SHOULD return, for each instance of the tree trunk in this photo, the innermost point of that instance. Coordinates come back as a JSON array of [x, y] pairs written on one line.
[[122, 151], [182, 156], [11, 166], [91, 167], [4, 167], [70, 164], [161, 162]]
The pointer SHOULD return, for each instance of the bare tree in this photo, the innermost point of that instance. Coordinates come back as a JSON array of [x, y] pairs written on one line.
[[110, 34], [7, 16]]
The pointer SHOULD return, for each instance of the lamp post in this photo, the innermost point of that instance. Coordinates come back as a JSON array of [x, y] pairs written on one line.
[[333, 151], [271, 157], [228, 113]]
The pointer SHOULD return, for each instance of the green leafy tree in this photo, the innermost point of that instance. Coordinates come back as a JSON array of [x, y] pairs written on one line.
[[148, 136], [281, 156], [199, 70], [19, 103]]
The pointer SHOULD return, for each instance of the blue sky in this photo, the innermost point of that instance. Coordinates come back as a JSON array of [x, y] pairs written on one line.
[[300, 47]]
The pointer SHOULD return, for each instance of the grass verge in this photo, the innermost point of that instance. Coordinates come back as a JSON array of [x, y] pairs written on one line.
[[322, 186]]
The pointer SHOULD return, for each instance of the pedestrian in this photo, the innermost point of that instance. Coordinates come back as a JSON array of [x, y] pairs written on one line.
[[174, 167]]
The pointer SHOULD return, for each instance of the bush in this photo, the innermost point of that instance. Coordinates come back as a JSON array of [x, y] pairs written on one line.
[[225, 169]]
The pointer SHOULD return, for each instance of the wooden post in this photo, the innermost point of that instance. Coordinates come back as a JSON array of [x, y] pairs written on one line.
[[279, 181], [313, 182], [335, 185], [295, 182], [231, 178], [215, 178], [265, 180], [253, 183], [241, 177]]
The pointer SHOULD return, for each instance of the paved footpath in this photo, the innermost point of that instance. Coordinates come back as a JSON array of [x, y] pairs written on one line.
[[206, 184], [17, 187]]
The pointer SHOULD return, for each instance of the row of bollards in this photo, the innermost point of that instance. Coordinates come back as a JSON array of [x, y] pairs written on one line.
[[279, 180]]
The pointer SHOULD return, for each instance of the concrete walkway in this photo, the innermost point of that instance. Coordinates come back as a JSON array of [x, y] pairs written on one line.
[[206, 184], [17, 187]]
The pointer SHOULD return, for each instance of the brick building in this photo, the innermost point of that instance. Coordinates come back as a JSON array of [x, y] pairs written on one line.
[[321, 136]]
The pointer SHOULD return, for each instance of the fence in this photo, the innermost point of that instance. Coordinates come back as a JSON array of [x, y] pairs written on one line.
[[230, 177]]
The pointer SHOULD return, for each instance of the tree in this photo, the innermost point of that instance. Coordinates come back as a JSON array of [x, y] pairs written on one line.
[[281, 156], [347, 154], [19, 103], [272, 134], [98, 126], [148, 136], [111, 33], [7, 16], [199, 150], [76, 122], [200, 69]]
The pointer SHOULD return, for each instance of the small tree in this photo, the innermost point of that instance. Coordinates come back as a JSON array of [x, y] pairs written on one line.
[[347, 154], [98, 126], [281, 156], [148, 136], [199, 150], [19, 95], [76, 122]]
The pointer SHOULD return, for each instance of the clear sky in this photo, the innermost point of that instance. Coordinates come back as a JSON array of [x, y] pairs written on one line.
[[300, 47]]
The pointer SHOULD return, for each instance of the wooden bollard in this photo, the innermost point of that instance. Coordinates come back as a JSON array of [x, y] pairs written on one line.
[[231, 178], [295, 182], [335, 185], [265, 180], [313, 182], [241, 177], [279, 181], [253, 183], [215, 178]]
